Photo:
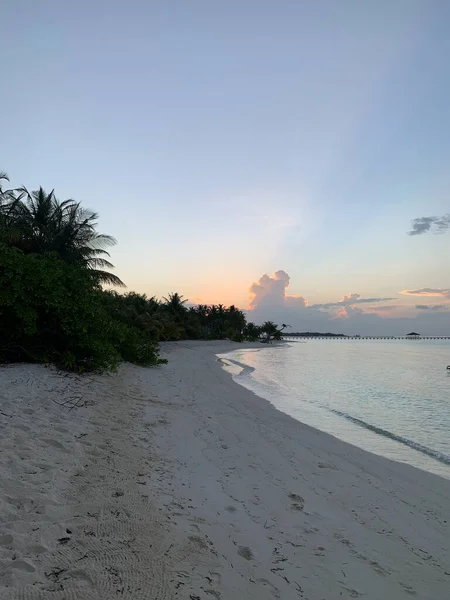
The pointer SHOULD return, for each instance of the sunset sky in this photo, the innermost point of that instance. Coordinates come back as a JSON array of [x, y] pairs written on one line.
[[221, 141]]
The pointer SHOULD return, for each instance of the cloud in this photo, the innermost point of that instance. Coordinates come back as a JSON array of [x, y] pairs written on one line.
[[350, 300], [348, 311], [351, 315], [425, 224], [433, 292], [432, 306], [270, 291]]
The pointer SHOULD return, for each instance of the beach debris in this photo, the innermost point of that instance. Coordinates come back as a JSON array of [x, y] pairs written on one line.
[[90, 532], [63, 540], [168, 549], [55, 574], [115, 575], [118, 493], [73, 402], [325, 465]]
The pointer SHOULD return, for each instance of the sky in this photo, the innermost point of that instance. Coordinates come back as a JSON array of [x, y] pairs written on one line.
[[228, 145]]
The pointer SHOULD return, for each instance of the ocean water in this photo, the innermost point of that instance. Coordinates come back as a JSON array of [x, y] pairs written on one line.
[[389, 397]]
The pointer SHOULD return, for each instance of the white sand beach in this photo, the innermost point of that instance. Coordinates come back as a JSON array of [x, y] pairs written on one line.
[[177, 483]]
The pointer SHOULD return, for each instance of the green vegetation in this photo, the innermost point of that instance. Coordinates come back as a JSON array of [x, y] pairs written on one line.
[[52, 304], [270, 331], [171, 320]]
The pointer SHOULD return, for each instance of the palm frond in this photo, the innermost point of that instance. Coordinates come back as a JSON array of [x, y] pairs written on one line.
[[41, 223], [108, 278], [93, 263], [102, 240]]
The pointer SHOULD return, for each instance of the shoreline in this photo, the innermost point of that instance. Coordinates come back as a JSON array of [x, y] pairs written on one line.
[[178, 482], [432, 461]]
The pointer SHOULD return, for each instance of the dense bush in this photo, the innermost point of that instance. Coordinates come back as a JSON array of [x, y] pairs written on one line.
[[53, 311]]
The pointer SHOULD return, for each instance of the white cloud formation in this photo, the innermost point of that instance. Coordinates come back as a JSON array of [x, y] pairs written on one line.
[[269, 291], [351, 315]]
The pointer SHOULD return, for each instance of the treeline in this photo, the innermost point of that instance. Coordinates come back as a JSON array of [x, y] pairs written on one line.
[[53, 308], [171, 319], [315, 334]]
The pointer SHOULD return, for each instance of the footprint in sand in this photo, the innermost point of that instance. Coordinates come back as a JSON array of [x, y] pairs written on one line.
[[408, 589], [198, 541], [22, 565], [6, 540], [298, 503], [54, 443], [81, 578], [215, 577], [275, 590], [22, 428], [36, 549], [245, 552], [352, 593]]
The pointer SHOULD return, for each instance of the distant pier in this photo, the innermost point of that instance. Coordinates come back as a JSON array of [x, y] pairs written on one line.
[[297, 338]]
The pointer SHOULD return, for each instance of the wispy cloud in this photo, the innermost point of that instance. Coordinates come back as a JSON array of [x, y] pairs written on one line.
[[383, 308], [431, 292], [425, 224], [432, 306], [350, 300]]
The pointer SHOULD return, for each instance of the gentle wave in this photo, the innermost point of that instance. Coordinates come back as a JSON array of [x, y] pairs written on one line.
[[443, 458], [245, 368]]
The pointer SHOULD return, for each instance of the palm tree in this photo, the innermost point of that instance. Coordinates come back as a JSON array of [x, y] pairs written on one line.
[[272, 331], [236, 319], [6, 199], [175, 304], [201, 312], [43, 224], [4, 194], [252, 332]]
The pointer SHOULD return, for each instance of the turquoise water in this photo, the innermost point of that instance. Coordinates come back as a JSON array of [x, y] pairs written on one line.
[[389, 397]]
